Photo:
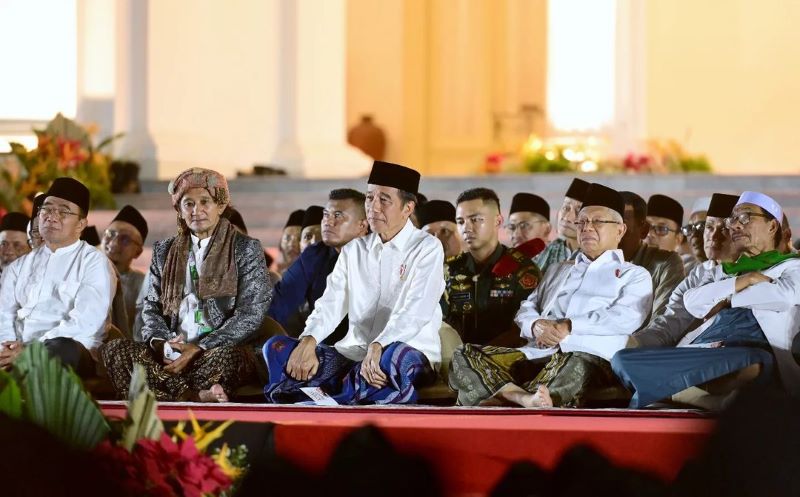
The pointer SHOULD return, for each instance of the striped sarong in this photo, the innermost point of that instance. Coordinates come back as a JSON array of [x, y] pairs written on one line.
[[405, 367]]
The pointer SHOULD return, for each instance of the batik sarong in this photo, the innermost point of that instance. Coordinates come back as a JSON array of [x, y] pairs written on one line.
[[478, 372], [227, 365], [405, 367]]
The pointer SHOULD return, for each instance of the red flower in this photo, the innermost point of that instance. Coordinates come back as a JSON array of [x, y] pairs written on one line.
[[70, 154], [163, 468]]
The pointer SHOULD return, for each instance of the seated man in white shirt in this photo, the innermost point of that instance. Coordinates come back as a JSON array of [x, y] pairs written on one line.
[[59, 293], [749, 313], [581, 314], [389, 284], [668, 327]]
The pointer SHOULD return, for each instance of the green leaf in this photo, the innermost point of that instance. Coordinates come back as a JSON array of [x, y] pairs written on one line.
[[55, 399], [142, 420], [10, 396], [108, 141]]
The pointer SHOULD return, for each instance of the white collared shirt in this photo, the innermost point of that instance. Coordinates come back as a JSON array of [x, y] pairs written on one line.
[[389, 291], [190, 303], [66, 293], [675, 319], [606, 300]]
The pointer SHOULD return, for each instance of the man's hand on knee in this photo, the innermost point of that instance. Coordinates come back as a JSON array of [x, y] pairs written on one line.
[[371, 366], [303, 362]]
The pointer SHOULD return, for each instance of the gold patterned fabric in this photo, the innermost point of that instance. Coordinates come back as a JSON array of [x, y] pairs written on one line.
[[230, 366], [573, 378]]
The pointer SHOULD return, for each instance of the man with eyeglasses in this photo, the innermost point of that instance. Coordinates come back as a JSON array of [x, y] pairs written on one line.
[[485, 285], [60, 293], [343, 219], [665, 216], [671, 324], [692, 251], [745, 317], [122, 242], [578, 317], [528, 219], [565, 245], [665, 268], [13, 238]]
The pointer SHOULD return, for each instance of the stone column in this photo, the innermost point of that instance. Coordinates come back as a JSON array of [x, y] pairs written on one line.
[[311, 101], [130, 96], [96, 60]]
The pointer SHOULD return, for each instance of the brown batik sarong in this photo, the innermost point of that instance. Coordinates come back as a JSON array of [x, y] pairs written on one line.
[[478, 372], [228, 365]]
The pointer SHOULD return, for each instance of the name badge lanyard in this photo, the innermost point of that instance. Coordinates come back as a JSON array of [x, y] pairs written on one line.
[[202, 327]]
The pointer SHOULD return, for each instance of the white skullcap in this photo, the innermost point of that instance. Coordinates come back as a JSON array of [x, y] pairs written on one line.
[[764, 201]]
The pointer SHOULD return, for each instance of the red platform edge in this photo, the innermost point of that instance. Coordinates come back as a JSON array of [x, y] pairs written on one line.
[[471, 447]]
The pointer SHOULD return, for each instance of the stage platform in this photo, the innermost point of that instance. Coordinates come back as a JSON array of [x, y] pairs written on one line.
[[471, 447]]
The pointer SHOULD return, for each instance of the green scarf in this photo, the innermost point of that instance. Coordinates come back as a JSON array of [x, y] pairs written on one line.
[[762, 261]]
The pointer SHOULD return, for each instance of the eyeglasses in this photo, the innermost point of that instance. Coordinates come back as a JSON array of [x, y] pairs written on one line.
[[121, 238], [692, 229], [523, 226], [596, 223], [55, 213], [744, 219], [661, 229]]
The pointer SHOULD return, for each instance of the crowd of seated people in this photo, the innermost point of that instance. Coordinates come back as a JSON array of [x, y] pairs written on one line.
[[381, 293]]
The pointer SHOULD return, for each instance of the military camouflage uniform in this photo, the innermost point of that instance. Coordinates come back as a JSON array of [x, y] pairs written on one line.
[[480, 303]]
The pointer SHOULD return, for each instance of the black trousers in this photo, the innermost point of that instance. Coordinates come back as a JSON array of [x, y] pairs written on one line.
[[72, 353]]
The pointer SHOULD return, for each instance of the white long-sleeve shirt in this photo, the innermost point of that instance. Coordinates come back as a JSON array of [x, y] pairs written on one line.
[[606, 300], [389, 291], [775, 305], [66, 293], [190, 303], [669, 327]]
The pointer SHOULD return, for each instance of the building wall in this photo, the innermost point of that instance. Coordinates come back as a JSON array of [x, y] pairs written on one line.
[[212, 86], [722, 77]]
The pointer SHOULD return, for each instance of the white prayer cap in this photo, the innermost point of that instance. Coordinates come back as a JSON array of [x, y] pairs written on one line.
[[701, 204], [764, 201]]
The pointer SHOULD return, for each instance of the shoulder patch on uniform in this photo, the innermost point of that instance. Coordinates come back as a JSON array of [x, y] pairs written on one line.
[[507, 264], [529, 279]]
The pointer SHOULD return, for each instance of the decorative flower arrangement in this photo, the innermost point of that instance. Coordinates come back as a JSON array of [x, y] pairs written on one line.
[[589, 155], [64, 149], [136, 452]]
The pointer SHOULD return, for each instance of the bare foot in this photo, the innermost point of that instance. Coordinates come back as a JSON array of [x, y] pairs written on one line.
[[540, 399], [213, 394]]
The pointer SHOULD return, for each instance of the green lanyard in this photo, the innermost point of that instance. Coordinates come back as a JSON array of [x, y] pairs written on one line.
[[202, 327]]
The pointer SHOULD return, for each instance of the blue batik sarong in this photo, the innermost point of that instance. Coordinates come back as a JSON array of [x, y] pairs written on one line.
[[656, 373], [405, 367]]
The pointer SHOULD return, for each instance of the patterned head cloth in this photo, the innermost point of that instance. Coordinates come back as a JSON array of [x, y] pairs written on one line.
[[214, 182]]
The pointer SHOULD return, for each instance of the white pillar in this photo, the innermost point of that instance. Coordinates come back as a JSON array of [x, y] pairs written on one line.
[[96, 65], [130, 102], [311, 101], [630, 123]]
